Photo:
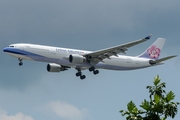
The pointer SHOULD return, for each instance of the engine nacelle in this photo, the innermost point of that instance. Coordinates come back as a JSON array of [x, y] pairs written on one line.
[[52, 67], [75, 58]]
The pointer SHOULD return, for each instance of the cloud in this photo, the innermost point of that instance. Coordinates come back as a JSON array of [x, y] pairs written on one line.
[[18, 116], [67, 111]]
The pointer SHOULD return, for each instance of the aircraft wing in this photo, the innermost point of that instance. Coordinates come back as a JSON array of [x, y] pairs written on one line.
[[99, 55]]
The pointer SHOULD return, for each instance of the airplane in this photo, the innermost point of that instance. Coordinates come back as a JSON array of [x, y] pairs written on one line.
[[61, 59]]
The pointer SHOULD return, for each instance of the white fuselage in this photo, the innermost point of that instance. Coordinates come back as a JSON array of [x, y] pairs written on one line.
[[61, 56]]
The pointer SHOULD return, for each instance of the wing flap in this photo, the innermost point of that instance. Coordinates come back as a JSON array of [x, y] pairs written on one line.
[[99, 55]]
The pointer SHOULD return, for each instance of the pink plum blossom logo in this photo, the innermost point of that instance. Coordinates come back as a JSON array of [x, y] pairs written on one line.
[[154, 52]]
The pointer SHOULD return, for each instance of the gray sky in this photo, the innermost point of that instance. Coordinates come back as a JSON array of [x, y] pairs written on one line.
[[31, 93]]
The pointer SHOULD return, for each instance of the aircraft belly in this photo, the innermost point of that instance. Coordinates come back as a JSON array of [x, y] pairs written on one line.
[[122, 64]]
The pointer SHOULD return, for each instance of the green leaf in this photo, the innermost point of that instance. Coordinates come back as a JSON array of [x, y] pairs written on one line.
[[170, 96], [156, 98], [131, 106], [163, 118], [123, 112], [159, 105], [145, 105], [171, 109], [156, 80], [135, 110]]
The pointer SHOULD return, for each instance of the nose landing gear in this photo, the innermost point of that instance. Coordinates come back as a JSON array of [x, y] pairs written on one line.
[[20, 62]]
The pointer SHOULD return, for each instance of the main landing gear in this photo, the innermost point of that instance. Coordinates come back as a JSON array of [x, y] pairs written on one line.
[[94, 70], [20, 62], [91, 69], [79, 73]]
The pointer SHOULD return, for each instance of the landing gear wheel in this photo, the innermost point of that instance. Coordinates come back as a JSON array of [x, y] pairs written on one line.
[[96, 72], [78, 74], [21, 63], [82, 77], [91, 69]]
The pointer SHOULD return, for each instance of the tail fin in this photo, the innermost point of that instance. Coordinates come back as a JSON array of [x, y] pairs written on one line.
[[153, 52]]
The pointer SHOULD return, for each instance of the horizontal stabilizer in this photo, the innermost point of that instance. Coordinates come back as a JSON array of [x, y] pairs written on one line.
[[166, 58]]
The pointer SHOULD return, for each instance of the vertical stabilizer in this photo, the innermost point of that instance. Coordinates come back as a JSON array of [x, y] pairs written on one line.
[[153, 52]]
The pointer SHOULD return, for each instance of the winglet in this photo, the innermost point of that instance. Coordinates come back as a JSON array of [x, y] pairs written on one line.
[[148, 37]]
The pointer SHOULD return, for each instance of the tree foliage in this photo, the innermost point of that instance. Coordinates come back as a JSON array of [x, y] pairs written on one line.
[[159, 107]]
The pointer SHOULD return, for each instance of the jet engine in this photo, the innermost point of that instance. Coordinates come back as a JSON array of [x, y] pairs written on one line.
[[75, 58], [52, 67]]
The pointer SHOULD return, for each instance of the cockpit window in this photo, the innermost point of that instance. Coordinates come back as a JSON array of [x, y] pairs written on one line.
[[11, 46]]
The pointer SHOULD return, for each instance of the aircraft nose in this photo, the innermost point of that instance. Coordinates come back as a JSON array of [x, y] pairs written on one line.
[[5, 49]]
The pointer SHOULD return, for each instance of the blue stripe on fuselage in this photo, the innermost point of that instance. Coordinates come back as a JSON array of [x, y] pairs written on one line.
[[20, 52]]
